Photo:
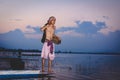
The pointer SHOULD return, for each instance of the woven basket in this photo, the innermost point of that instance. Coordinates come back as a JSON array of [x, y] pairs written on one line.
[[56, 39]]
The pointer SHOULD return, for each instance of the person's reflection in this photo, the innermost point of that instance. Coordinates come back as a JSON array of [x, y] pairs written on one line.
[[44, 77], [49, 78]]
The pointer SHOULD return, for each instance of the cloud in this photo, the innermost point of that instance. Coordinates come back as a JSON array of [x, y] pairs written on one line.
[[109, 29], [83, 28], [37, 13], [33, 32], [17, 39], [97, 43], [88, 27], [70, 33], [36, 29], [72, 38], [86, 36], [33, 36]]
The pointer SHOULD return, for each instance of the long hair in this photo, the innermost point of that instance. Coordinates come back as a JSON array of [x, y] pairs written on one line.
[[50, 19], [48, 22]]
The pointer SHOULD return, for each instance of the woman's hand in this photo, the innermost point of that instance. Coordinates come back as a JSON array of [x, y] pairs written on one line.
[[43, 28]]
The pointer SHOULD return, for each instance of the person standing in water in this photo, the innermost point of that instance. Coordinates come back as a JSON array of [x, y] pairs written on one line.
[[48, 45]]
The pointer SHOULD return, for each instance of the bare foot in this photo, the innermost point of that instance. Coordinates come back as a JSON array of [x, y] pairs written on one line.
[[43, 70], [50, 71]]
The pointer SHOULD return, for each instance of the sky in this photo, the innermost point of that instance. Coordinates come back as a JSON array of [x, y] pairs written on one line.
[[82, 25]]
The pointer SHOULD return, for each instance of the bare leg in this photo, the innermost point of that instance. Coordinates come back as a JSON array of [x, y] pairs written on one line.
[[49, 65], [43, 64]]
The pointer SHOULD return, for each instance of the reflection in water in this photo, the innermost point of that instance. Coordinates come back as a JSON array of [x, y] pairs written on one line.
[[97, 66], [78, 67], [49, 78]]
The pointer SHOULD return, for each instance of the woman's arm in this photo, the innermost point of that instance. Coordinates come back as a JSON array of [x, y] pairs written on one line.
[[43, 28]]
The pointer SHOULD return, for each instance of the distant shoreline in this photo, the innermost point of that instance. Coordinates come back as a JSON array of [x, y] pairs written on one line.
[[57, 52]]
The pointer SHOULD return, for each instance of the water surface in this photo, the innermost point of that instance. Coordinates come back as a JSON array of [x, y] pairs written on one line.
[[80, 66]]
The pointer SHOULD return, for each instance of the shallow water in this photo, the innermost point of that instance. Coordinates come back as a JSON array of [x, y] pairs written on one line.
[[78, 67]]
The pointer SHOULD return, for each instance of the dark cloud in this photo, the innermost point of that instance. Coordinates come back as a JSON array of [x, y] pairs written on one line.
[[88, 27], [98, 43], [85, 27], [16, 39], [35, 28]]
